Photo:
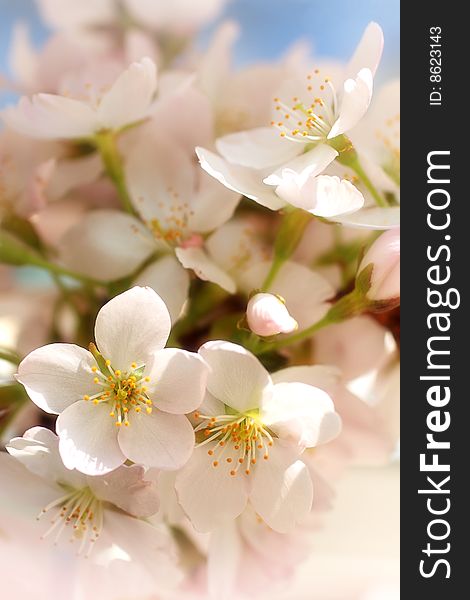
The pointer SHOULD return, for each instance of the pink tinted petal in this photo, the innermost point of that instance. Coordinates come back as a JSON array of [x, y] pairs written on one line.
[[209, 495], [371, 217], [368, 52], [244, 180], [48, 116], [129, 98], [205, 267], [106, 245], [282, 491], [177, 380], [223, 560], [357, 94], [302, 413], [157, 440], [57, 375], [257, 148], [170, 280], [127, 488], [88, 438], [237, 378], [131, 326]]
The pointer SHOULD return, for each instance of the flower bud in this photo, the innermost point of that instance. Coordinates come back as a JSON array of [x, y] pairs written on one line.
[[384, 256], [268, 315]]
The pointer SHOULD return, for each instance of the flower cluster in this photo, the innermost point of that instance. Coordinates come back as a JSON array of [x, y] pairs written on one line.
[[211, 338]]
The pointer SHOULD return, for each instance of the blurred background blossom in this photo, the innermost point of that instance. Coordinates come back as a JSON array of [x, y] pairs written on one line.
[[268, 27]]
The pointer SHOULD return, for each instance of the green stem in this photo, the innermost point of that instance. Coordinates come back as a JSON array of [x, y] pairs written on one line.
[[379, 199], [106, 143], [10, 356], [348, 156], [288, 238], [58, 270], [346, 307], [297, 337], [273, 271]]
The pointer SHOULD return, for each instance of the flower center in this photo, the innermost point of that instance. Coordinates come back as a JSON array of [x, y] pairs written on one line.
[[81, 513], [122, 391], [239, 440], [308, 120], [172, 225]]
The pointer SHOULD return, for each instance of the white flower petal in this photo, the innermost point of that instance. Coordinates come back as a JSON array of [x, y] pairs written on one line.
[[357, 94], [282, 491], [170, 280], [322, 376], [153, 174], [131, 326], [236, 245], [127, 488], [47, 116], [130, 96], [371, 217], [88, 438], [323, 196], [106, 245], [258, 148], [157, 440], [135, 554], [57, 375], [301, 413], [38, 451], [237, 378], [243, 180], [368, 52], [310, 163], [209, 495], [205, 267], [177, 380], [213, 204]]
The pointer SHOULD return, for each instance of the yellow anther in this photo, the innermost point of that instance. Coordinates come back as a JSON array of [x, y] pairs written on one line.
[[111, 414], [94, 369], [118, 423], [96, 380], [147, 379], [137, 409], [96, 401], [134, 365], [117, 373], [148, 410], [107, 362], [86, 397]]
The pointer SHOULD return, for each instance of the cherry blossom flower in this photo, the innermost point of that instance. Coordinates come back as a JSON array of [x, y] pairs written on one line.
[[251, 436], [253, 160], [126, 101], [178, 215], [181, 17], [101, 518], [126, 398]]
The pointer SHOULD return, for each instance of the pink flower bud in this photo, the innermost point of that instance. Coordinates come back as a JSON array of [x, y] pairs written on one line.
[[384, 254], [267, 315]]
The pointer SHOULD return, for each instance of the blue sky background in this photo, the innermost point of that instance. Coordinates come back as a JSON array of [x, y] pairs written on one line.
[[268, 27]]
